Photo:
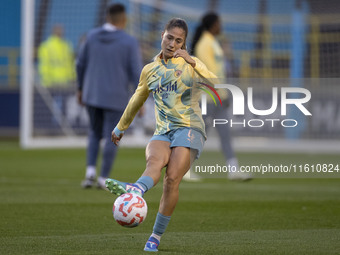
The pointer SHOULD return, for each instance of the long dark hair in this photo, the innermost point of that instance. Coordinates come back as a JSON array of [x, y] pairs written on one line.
[[180, 23], [207, 22]]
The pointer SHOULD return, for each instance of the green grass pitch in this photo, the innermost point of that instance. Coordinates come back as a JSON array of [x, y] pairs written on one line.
[[44, 210]]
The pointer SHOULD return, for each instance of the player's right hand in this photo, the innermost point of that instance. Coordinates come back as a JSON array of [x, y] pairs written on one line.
[[115, 139]]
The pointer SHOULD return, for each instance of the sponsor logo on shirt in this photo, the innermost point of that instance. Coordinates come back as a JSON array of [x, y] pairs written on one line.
[[168, 88]]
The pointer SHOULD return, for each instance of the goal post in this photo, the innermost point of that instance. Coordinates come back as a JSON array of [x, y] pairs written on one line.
[[27, 71], [42, 122]]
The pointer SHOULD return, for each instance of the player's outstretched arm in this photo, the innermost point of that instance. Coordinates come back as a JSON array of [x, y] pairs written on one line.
[[135, 104]]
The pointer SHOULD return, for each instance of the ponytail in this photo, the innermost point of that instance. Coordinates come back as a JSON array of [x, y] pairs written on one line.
[[207, 22], [197, 36]]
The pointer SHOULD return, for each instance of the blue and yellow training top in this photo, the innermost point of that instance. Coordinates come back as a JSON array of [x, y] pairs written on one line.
[[171, 83]]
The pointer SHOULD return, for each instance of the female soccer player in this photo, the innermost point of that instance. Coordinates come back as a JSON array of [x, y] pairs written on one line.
[[179, 134]]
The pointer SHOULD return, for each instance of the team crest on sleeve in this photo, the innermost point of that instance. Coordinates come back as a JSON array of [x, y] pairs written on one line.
[[178, 73]]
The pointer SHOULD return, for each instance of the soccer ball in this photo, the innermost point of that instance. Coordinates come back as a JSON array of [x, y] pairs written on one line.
[[129, 210]]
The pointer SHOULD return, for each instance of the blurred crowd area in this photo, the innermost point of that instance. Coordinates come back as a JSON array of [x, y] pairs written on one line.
[[258, 37]]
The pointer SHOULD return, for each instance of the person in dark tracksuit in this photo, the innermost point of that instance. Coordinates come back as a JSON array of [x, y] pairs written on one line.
[[108, 61]]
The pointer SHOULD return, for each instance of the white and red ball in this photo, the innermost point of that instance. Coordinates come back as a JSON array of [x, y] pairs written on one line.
[[129, 210]]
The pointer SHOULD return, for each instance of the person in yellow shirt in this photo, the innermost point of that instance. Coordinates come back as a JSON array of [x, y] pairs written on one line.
[[208, 49], [56, 60], [206, 46], [57, 72], [180, 131]]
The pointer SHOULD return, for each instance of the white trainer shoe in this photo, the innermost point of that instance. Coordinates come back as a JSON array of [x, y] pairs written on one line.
[[191, 177], [101, 183], [235, 174]]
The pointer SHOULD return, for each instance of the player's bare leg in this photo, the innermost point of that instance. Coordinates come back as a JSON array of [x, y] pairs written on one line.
[[157, 156], [178, 165]]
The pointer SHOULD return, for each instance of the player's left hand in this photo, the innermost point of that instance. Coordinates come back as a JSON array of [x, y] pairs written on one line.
[[185, 55]]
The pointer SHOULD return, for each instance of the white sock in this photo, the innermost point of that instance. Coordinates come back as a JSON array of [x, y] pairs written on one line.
[[233, 163], [90, 172], [156, 236]]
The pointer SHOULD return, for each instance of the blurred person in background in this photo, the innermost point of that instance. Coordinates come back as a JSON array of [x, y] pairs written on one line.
[[108, 62], [56, 60], [207, 48], [56, 70], [230, 68]]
